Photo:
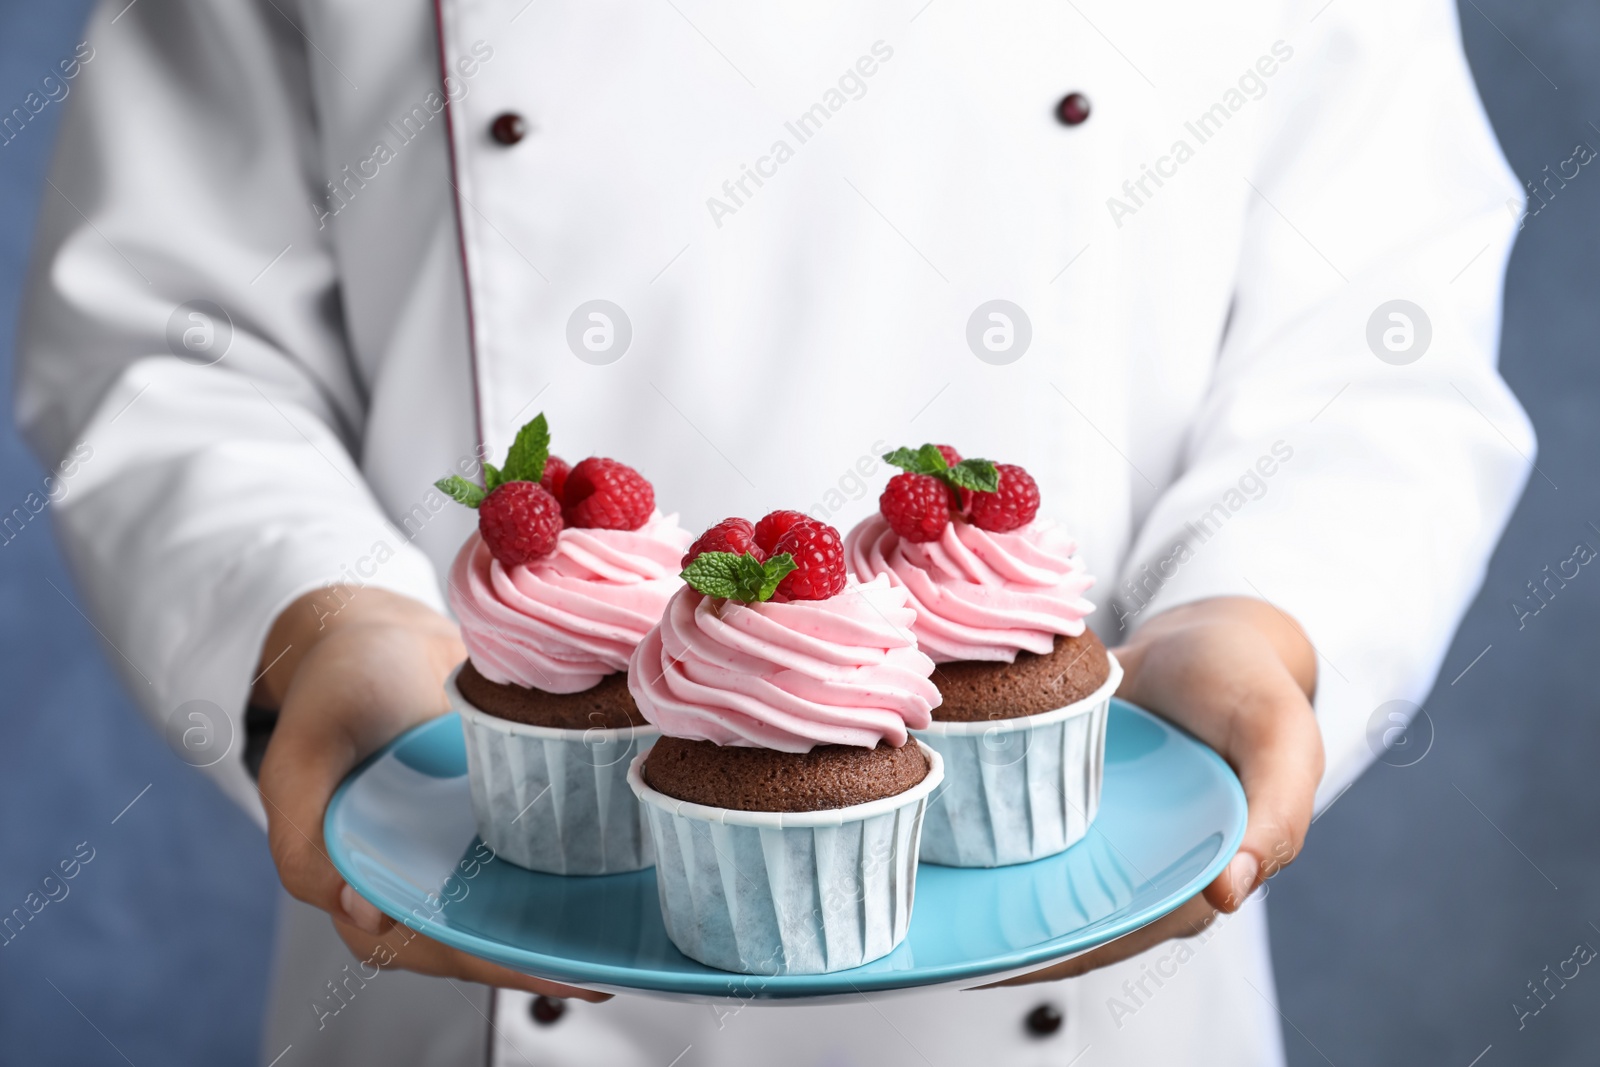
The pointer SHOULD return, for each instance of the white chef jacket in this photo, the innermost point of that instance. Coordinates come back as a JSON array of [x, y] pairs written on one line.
[[286, 277]]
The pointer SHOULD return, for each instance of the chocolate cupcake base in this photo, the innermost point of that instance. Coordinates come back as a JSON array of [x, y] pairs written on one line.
[[759, 779], [987, 689], [606, 706], [787, 892], [1018, 788], [550, 798]]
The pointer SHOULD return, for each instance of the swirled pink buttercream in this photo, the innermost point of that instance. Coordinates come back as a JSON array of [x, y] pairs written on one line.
[[841, 671], [564, 622], [980, 595]]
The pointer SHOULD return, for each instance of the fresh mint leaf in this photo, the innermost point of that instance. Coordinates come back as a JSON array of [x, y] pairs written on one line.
[[773, 571], [725, 574], [460, 490], [492, 477], [903, 458], [737, 576], [925, 460], [979, 475], [525, 461]]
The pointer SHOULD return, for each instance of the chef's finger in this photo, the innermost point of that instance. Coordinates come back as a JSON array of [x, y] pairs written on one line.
[[363, 914], [1276, 749], [304, 763], [403, 947]]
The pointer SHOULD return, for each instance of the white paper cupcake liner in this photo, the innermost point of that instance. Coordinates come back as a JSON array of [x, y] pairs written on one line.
[[1017, 790], [787, 892], [555, 800]]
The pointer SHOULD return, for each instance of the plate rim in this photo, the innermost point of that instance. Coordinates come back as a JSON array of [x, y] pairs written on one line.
[[788, 820], [718, 985]]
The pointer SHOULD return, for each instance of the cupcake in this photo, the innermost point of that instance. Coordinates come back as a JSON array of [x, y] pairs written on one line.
[[567, 572], [999, 600], [786, 795]]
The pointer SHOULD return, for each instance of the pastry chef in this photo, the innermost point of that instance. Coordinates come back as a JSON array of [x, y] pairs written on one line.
[[1225, 279]]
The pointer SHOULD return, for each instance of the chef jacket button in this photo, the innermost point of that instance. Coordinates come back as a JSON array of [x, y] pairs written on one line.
[[1073, 109], [508, 128], [1044, 1020], [547, 1010]]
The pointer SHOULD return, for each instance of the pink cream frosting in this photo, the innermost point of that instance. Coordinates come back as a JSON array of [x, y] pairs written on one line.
[[789, 676], [980, 595], [564, 622]]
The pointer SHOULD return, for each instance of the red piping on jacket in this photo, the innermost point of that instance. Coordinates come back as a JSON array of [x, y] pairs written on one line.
[[461, 233]]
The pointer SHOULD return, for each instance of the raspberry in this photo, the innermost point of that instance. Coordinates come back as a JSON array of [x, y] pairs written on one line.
[[917, 506], [606, 495], [774, 526], [951, 456], [519, 522], [729, 535], [1014, 505], [556, 470], [818, 553]]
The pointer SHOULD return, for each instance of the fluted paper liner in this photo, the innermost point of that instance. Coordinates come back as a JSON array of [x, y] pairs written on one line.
[[787, 892], [555, 800], [1017, 790]]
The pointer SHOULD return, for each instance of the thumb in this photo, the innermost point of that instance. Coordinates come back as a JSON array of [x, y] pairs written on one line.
[[1276, 749]]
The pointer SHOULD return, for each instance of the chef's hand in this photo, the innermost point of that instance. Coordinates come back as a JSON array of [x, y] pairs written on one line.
[[1238, 674], [350, 668]]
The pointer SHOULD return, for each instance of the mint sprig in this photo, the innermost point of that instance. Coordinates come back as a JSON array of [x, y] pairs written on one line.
[[461, 491], [524, 463], [737, 576], [977, 475]]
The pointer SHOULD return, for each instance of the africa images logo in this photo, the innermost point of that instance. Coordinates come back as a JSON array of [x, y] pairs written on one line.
[[1206, 125], [852, 85]]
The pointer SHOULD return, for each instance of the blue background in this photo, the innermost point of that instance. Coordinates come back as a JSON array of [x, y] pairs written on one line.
[[1429, 894]]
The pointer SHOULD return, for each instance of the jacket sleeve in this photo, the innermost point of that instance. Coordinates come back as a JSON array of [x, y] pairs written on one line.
[[1350, 468], [182, 355]]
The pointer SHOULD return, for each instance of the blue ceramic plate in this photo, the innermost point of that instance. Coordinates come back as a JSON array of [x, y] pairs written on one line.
[[400, 830]]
